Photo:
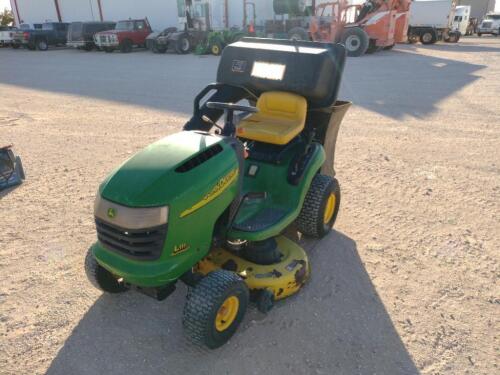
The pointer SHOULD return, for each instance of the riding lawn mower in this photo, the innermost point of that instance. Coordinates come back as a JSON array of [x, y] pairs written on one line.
[[208, 205]]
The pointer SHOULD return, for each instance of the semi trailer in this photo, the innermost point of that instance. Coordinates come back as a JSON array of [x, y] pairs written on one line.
[[432, 21]]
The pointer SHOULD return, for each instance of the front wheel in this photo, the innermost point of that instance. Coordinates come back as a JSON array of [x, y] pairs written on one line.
[[214, 308], [100, 277], [108, 49], [15, 45], [356, 41], [320, 208]]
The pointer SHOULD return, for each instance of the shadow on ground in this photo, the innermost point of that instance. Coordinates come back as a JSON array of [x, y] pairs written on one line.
[[401, 83], [393, 83], [336, 324]]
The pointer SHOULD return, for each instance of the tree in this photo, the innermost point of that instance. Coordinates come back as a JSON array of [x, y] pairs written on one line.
[[6, 18]]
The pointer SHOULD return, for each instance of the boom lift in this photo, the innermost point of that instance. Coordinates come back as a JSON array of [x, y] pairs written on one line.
[[362, 28]]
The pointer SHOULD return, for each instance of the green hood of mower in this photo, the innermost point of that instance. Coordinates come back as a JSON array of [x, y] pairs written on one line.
[[150, 179]]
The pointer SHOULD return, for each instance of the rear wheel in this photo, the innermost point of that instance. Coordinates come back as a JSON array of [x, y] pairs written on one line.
[[388, 48], [100, 277], [15, 45], [108, 49], [215, 308], [42, 45], [183, 45], [298, 33], [428, 37], [321, 206], [356, 41], [412, 39]]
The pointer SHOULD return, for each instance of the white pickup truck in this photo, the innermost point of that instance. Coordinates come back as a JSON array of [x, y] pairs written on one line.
[[6, 35]]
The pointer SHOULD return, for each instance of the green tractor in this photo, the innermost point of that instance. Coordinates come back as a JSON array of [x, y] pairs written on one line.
[[208, 205], [218, 40]]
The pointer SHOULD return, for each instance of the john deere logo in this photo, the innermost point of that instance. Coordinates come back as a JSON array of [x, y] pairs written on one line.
[[111, 213]]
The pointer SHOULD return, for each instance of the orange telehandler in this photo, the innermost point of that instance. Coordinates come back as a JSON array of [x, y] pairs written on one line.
[[362, 28]]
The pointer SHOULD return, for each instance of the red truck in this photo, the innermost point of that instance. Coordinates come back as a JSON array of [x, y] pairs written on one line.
[[125, 36]]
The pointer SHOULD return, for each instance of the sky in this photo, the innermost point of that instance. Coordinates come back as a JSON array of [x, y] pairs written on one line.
[[4, 4]]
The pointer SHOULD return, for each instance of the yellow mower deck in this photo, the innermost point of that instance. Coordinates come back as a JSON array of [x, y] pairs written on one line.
[[283, 279]]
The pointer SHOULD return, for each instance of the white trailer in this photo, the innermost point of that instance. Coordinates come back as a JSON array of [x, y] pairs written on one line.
[[431, 20]]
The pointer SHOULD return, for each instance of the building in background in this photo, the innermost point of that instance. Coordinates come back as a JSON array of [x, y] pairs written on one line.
[[160, 13], [478, 7], [222, 14]]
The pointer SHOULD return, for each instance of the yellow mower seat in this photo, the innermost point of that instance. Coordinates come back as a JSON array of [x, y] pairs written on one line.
[[281, 118]]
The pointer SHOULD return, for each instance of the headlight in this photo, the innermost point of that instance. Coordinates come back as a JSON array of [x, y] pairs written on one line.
[[128, 217]]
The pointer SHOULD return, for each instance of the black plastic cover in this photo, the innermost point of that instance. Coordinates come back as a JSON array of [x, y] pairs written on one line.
[[311, 69]]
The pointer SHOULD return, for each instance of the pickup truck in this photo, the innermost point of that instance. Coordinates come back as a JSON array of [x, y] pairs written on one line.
[[51, 34], [125, 36], [81, 34], [6, 33], [18, 35]]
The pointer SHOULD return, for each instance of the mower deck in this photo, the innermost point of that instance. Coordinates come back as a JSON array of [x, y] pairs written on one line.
[[283, 279]]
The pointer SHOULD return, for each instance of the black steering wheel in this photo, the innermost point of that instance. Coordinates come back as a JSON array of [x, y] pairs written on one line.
[[229, 108]]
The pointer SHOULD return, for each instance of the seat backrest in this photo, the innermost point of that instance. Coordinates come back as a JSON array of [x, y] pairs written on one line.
[[282, 104]]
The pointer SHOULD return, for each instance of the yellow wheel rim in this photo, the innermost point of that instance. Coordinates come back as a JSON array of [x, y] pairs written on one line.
[[329, 209], [227, 313], [215, 50]]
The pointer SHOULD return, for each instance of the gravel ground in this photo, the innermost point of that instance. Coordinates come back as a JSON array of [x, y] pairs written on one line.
[[408, 282]]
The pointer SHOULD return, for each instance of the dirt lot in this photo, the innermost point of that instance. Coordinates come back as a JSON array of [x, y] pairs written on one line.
[[408, 282]]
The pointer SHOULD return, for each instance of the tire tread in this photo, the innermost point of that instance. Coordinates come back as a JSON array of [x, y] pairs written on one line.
[[201, 301]]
